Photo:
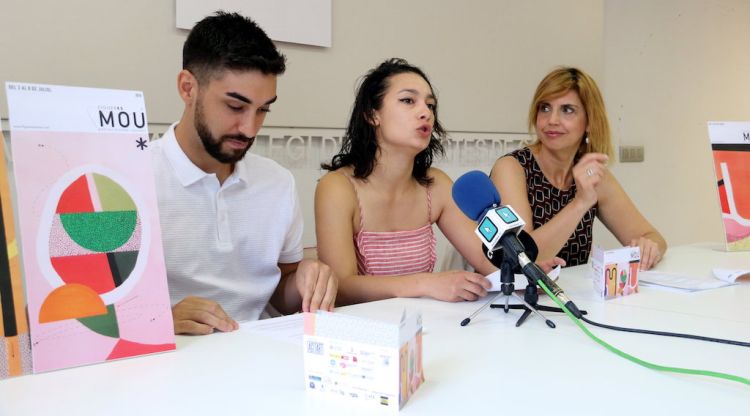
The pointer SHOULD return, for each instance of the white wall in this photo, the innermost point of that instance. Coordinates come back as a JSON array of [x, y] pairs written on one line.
[[483, 56], [671, 66], [108, 44], [666, 67]]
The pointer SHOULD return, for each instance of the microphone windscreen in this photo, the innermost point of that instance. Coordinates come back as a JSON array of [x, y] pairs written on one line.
[[474, 193], [532, 250]]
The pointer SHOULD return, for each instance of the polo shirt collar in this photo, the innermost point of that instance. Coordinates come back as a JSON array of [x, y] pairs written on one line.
[[185, 170], [240, 170]]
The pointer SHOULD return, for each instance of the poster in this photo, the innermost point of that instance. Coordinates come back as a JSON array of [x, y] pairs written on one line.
[[15, 348], [730, 144], [89, 225]]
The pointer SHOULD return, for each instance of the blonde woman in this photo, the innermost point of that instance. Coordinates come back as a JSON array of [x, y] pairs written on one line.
[[561, 182]]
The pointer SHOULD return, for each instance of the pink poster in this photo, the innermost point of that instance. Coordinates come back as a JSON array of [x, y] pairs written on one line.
[[730, 143], [89, 225]]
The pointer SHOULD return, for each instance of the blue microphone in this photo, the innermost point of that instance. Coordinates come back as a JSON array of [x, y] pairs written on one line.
[[499, 229], [475, 194]]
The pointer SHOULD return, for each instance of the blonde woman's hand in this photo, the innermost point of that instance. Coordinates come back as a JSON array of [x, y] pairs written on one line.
[[549, 264], [588, 174], [650, 253]]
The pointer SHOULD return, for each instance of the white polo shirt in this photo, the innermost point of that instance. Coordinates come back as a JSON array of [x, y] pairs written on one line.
[[224, 242]]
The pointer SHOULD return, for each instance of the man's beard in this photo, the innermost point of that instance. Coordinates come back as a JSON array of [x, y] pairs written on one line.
[[213, 145]]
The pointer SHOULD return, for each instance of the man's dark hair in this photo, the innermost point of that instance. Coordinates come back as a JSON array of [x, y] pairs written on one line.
[[359, 147], [229, 41]]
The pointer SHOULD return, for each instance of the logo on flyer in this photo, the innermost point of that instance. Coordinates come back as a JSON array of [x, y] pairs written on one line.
[[117, 117]]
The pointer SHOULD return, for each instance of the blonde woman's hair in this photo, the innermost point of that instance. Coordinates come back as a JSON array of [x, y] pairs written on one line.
[[558, 83]]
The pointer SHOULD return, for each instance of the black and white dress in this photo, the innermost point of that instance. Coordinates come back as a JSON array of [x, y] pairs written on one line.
[[546, 201]]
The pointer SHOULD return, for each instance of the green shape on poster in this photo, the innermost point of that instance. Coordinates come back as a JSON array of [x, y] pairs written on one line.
[[105, 324], [111, 195], [100, 231], [125, 263]]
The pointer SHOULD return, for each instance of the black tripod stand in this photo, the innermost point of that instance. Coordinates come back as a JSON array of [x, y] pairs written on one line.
[[529, 305], [529, 301], [507, 291]]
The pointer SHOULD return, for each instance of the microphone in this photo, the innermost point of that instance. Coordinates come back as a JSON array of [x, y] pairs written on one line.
[[532, 250], [475, 194], [500, 228], [478, 199]]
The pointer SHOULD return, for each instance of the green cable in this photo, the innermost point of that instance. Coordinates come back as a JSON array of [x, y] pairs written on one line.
[[638, 360]]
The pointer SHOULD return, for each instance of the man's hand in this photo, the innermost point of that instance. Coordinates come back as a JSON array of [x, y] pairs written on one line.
[[200, 316], [317, 285]]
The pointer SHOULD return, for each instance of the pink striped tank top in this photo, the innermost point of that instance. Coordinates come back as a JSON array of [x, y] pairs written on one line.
[[395, 253]]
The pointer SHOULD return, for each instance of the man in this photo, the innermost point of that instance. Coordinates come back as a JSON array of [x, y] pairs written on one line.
[[231, 222]]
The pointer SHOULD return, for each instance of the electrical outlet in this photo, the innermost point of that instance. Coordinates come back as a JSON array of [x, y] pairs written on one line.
[[630, 154]]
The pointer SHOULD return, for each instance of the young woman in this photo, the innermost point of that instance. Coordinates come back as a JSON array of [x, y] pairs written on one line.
[[374, 210], [560, 183]]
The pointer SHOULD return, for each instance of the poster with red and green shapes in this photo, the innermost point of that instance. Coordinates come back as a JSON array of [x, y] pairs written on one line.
[[89, 225]]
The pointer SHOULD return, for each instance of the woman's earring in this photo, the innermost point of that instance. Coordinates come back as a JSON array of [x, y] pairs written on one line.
[[586, 139]]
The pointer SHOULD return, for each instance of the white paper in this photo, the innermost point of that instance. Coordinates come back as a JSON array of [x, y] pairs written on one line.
[[679, 282], [520, 280], [289, 328], [732, 275]]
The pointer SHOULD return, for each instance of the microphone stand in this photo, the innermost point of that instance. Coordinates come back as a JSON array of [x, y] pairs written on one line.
[[528, 303], [507, 290]]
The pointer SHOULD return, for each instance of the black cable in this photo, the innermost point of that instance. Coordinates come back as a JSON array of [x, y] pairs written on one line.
[[666, 334]]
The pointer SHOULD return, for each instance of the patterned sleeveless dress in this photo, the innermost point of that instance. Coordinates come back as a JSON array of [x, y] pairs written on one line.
[[546, 201]]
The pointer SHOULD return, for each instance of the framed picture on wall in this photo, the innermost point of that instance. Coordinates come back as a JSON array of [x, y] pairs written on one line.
[[297, 21]]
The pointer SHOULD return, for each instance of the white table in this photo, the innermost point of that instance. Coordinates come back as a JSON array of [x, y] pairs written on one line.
[[488, 367]]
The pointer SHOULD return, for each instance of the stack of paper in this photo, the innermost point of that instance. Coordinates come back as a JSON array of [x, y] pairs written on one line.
[[681, 282]]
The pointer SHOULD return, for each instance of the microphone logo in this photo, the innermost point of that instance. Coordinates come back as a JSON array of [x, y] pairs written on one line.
[[487, 230], [496, 223], [506, 214]]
